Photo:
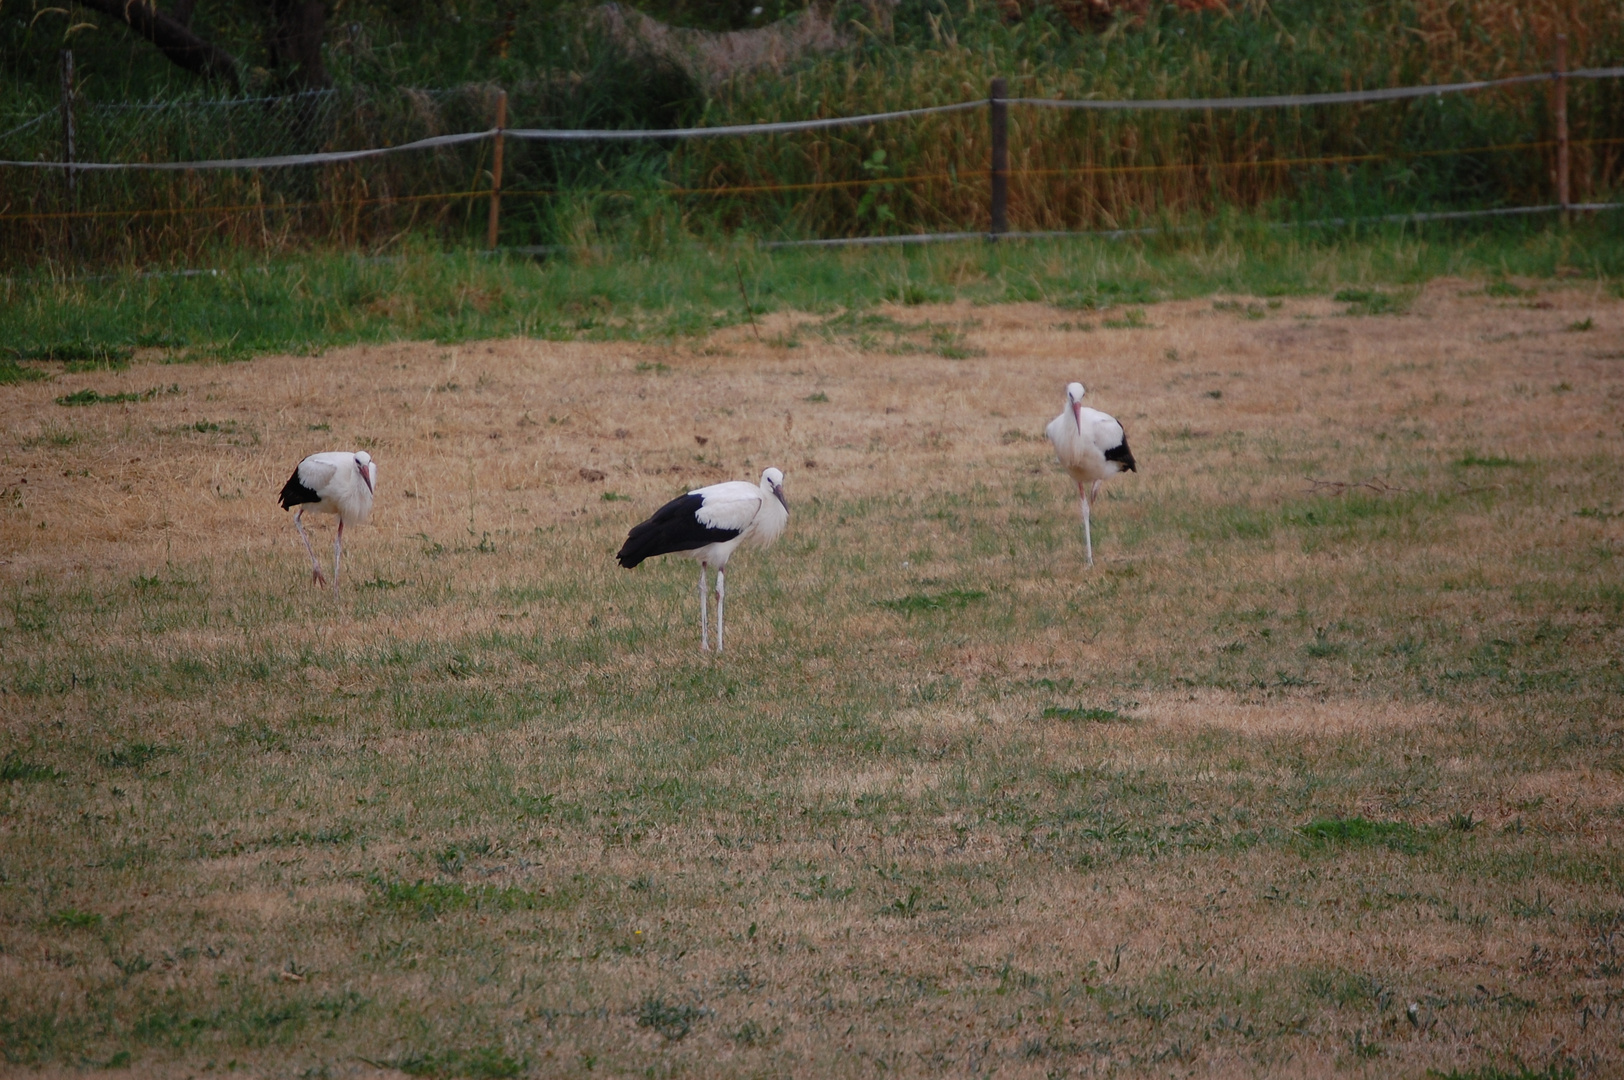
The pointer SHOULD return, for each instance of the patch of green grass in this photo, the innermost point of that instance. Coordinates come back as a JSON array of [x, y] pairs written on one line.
[[88, 396], [12, 372], [14, 767], [1372, 302], [1358, 831], [1582, 325], [481, 1063], [75, 919], [91, 397], [951, 600], [1081, 714], [670, 1019], [431, 897], [133, 755], [81, 355], [306, 303]]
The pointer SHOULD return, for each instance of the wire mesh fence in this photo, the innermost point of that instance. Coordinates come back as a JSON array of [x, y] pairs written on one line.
[[145, 215], [1073, 168]]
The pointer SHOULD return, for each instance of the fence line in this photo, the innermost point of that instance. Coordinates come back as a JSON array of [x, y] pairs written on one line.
[[820, 185], [1344, 97], [780, 127], [1153, 230], [325, 157]]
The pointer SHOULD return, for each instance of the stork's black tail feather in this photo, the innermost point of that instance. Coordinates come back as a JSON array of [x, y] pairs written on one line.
[[294, 493], [1122, 455]]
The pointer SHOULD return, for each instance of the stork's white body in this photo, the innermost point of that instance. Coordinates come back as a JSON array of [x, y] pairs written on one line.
[[335, 482], [708, 525], [1091, 446]]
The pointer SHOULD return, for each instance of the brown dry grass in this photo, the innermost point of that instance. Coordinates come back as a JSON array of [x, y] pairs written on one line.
[[489, 813]]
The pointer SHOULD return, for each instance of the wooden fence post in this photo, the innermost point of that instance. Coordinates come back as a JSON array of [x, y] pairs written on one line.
[[1561, 111], [67, 143], [998, 110], [496, 171]]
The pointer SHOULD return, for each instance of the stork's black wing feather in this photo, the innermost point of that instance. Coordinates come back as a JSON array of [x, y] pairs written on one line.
[[294, 493], [1122, 455], [673, 527]]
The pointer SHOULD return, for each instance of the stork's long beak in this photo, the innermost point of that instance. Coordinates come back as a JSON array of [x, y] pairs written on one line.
[[778, 489], [366, 476], [1077, 414]]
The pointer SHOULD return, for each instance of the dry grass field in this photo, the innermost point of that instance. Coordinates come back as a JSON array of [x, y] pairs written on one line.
[[1316, 773]]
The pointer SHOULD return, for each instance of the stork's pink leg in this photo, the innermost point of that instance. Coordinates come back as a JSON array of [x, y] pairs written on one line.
[[1088, 539], [721, 595], [704, 613], [315, 567], [338, 552]]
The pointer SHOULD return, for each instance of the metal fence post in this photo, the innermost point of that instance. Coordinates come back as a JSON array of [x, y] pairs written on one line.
[[1561, 111], [496, 171], [67, 143], [998, 110]]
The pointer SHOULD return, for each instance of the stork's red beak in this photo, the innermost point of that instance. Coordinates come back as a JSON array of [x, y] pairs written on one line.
[[778, 489], [1077, 414], [366, 476]]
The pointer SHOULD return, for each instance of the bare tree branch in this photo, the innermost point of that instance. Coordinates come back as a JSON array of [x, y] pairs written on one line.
[[173, 38]]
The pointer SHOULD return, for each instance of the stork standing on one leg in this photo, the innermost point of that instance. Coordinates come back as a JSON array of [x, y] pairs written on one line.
[[707, 525], [1090, 445], [335, 482]]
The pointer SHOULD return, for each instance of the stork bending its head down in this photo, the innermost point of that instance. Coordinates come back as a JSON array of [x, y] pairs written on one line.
[[707, 525], [336, 482], [1090, 445]]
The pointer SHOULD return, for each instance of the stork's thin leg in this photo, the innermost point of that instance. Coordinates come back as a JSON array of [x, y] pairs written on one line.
[[1094, 492], [1088, 539], [704, 613], [315, 566], [338, 552], [721, 595]]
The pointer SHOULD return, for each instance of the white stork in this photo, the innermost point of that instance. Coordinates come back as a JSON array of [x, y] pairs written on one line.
[[706, 525], [336, 482], [1090, 445]]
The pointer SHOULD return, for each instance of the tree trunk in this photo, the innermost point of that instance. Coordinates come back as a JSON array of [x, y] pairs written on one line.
[[173, 38], [297, 27]]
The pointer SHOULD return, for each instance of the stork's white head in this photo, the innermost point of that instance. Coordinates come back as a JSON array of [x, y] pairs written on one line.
[[367, 468], [773, 481], [1074, 398]]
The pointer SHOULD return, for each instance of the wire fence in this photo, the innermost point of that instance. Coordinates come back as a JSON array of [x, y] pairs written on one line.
[[164, 178]]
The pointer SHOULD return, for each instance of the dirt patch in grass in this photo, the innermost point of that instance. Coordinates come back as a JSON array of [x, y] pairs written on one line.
[[1290, 715]]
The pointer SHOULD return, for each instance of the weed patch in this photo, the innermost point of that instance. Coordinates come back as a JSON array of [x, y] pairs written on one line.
[[918, 603], [14, 768], [1372, 302], [480, 1063], [1081, 714], [133, 755], [670, 1019], [1362, 832]]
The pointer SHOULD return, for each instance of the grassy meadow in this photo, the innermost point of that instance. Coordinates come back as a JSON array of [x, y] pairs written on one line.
[[1316, 772]]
